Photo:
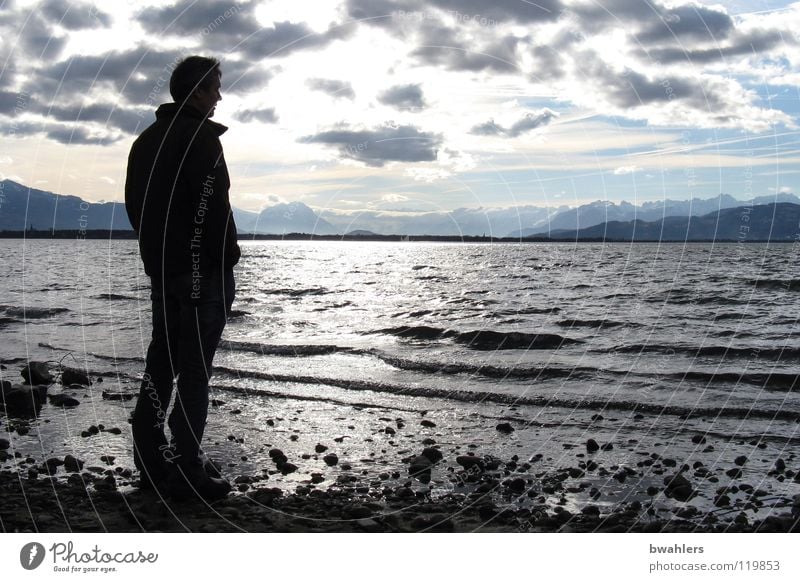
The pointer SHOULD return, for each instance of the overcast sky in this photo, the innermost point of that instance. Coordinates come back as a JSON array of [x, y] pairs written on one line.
[[419, 105]]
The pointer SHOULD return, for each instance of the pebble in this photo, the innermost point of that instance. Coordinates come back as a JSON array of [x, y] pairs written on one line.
[[592, 446], [74, 376], [698, 439], [434, 455], [469, 461], [428, 423], [63, 400], [331, 459], [740, 460], [72, 464], [320, 448], [505, 428]]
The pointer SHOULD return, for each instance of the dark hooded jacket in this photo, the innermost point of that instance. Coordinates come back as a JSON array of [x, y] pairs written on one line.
[[176, 195]]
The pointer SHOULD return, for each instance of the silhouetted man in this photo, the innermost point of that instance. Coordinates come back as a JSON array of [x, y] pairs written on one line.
[[176, 196]]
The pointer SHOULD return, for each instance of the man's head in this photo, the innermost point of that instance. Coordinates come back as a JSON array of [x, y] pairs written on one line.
[[196, 82]]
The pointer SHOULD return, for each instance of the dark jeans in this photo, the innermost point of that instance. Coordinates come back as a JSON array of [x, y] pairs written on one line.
[[189, 314]]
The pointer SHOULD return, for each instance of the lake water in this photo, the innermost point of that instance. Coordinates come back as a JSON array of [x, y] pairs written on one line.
[[671, 339]]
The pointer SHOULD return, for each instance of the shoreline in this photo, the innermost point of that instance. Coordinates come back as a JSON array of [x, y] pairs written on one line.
[[49, 505], [437, 471]]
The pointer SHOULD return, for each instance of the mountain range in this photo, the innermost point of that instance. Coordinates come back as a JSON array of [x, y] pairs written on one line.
[[23, 208]]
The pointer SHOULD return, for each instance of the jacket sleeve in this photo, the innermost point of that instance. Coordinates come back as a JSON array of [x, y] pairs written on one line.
[[207, 182], [133, 198]]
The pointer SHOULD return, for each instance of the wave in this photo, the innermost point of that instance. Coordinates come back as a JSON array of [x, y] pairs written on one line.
[[31, 312], [775, 381], [776, 354], [283, 349], [778, 284], [590, 323], [114, 297], [683, 412], [480, 339], [297, 292]]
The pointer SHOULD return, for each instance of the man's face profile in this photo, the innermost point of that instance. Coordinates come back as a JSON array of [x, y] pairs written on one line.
[[205, 99]]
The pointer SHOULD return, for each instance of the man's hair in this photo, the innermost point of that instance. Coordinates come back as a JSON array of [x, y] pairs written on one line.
[[191, 74]]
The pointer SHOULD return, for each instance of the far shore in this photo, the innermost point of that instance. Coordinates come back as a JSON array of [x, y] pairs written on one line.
[[104, 234]]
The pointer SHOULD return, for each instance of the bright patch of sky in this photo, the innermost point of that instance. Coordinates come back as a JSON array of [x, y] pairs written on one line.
[[418, 104]]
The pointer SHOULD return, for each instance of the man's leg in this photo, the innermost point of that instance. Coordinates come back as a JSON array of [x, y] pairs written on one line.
[[151, 450], [202, 323]]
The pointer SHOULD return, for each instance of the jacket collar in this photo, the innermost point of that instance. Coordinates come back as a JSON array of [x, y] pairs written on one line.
[[171, 110]]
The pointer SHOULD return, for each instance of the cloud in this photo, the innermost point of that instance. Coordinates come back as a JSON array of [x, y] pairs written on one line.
[[241, 76], [625, 170], [72, 15], [689, 22], [387, 143], [63, 133], [34, 36], [652, 22], [501, 11], [218, 25], [404, 97], [262, 115], [478, 12], [141, 75], [741, 44], [128, 120], [439, 45], [528, 123], [80, 136], [332, 87]]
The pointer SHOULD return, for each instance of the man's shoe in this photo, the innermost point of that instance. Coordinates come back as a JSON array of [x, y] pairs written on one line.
[[153, 479], [190, 482], [210, 466]]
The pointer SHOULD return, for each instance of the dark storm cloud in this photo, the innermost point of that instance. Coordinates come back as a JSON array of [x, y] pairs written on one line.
[[387, 143], [332, 87], [263, 115], [528, 123], [403, 97], [72, 15]]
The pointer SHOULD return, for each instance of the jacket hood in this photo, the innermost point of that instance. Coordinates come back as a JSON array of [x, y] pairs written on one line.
[[171, 110]]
